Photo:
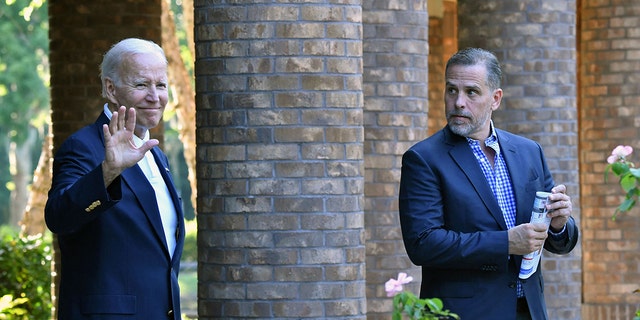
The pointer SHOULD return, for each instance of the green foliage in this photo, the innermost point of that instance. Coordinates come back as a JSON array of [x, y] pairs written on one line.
[[629, 183], [419, 309], [24, 70], [24, 82], [11, 308], [25, 276], [190, 251]]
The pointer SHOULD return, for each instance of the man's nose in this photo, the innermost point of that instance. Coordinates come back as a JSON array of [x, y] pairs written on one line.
[[461, 101], [152, 94]]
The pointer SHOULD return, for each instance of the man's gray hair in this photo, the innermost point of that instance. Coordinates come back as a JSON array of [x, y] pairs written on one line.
[[113, 59], [474, 56]]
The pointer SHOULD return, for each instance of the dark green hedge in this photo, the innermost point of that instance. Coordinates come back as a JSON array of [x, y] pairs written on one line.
[[25, 275]]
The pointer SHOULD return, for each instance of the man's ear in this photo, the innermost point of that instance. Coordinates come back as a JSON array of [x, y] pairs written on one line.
[[110, 90], [497, 98]]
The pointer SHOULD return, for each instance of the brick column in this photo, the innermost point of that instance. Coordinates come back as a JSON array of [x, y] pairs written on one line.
[[280, 160], [609, 97], [395, 86], [536, 43]]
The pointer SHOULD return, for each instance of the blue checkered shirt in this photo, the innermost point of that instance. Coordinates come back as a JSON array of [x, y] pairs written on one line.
[[498, 179]]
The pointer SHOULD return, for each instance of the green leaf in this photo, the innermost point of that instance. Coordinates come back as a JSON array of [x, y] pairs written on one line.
[[435, 304], [635, 172], [626, 205], [627, 182], [619, 168]]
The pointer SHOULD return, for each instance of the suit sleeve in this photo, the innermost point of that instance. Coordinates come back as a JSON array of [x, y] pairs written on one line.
[[77, 195], [428, 239], [567, 240], [564, 242]]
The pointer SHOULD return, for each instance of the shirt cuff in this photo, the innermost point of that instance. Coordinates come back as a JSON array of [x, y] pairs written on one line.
[[557, 235]]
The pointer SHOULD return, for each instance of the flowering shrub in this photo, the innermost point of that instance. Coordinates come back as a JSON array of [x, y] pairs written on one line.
[[415, 308], [628, 174], [629, 178]]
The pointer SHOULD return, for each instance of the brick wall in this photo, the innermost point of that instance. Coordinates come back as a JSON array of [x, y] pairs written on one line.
[[280, 160], [609, 96], [536, 44], [395, 95]]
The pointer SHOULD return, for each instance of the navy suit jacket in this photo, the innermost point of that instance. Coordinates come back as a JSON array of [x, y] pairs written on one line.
[[114, 259], [453, 227]]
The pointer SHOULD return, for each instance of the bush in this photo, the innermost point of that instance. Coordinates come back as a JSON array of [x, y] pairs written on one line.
[[25, 276], [190, 251]]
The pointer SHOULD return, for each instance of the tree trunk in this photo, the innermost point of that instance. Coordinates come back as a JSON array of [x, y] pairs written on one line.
[[33, 220], [185, 100], [20, 163]]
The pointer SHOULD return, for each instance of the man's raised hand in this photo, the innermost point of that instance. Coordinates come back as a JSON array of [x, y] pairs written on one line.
[[120, 151]]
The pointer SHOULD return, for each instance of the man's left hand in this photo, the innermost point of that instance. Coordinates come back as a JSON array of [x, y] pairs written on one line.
[[559, 208]]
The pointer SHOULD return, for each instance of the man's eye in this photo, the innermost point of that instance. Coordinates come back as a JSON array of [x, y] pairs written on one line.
[[141, 85]]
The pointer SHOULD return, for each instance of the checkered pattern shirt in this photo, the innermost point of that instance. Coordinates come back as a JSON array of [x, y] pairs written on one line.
[[498, 179]]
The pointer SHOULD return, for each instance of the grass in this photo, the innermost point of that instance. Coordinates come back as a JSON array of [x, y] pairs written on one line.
[[188, 280]]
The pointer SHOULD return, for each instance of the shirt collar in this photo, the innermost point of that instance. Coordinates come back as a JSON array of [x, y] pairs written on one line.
[[107, 112], [491, 140]]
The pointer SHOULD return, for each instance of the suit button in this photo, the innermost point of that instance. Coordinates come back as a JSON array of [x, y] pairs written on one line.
[[170, 313]]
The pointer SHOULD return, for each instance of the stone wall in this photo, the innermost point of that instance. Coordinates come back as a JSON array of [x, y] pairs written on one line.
[[395, 57]]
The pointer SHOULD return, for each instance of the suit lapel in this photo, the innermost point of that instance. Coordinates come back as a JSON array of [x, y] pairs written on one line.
[[463, 156], [143, 191], [514, 163], [164, 171], [166, 175]]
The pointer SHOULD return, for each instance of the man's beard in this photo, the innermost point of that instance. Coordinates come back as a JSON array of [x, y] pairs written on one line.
[[461, 129], [466, 129]]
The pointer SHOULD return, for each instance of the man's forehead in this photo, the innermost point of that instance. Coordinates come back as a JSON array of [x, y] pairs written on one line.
[[465, 82], [143, 68], [468, 76]]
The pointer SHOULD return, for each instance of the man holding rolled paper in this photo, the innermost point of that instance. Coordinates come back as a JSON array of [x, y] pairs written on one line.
[[466, 199]]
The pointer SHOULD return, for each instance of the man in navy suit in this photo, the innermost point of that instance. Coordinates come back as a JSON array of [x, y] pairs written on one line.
[[113, 204], [466, 196]]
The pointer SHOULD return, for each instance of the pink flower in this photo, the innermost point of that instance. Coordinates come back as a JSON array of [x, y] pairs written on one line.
[[619, 153], [393, 286]]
